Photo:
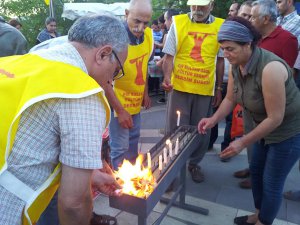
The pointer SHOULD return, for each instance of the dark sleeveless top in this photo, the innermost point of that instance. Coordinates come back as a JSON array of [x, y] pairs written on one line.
[[248, 91]]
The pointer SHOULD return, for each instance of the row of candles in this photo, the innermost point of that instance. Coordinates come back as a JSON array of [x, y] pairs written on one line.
[[163, 159]]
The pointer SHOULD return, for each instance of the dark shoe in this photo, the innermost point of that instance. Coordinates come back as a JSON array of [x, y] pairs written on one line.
[[292, 195], [242, 220], [162, 100], [197, 175], [242, 173], [103, 220], [245, 184]]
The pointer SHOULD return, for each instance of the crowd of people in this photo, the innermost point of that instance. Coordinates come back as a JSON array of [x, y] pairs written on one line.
[[57, 100]]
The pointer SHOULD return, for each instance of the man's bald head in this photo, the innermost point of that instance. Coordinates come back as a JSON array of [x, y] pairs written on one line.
[[138, 16], [140, 5]]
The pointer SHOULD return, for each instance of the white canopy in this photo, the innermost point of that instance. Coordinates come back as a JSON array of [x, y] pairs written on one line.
[[73, 11]]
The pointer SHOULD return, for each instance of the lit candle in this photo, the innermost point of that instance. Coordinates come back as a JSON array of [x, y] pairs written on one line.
[[178, 118], [176, 146], [170, 146], [160, 162], [165, 156], [149, 159]]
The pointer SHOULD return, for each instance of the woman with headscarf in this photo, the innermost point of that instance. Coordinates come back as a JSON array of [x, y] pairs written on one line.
[[263, 84]]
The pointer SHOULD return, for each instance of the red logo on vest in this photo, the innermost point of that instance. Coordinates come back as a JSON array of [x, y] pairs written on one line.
[[198, 41], [6, 73], [139, 80]]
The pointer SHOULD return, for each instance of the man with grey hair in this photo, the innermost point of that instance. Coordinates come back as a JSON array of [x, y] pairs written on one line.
[[58, 122], [193, 61], [274, 39]]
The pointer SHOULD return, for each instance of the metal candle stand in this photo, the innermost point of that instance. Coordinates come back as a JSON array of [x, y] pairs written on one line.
[[142, 207]]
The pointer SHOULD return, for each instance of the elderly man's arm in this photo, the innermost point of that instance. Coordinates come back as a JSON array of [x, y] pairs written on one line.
[[124, 118], [75, 203], [170, 51], [167, 69]]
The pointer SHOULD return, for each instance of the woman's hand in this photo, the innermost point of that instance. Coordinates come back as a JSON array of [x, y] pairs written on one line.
[[233, 149], [204, 124]]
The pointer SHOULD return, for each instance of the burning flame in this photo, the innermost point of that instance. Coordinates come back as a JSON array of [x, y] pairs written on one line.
[[135, 179]]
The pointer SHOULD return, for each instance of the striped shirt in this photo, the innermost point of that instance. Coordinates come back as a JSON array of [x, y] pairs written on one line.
[[52, 131], [291, 23]]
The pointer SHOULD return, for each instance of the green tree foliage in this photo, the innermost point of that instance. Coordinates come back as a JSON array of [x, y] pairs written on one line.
[[32, 13], [220, 7]]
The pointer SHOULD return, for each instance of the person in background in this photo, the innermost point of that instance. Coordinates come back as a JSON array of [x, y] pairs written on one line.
[[233, 11], [15, 23], [12, 41], [157, 35], [275, 112], [57, 123], [288, 17], [191, 35], [274, 39], [154, 72], [161, 23], [168, 18], [48, 32], [245, 10], [131, 92]]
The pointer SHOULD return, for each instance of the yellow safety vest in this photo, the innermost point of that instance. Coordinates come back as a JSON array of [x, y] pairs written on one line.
[[196, 50], [130, 89], [25, 80]]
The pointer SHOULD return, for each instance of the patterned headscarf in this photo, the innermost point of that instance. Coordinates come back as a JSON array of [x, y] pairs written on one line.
[[234, 31]]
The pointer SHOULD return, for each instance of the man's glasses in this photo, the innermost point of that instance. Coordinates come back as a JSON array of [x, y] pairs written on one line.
[[117, 74]]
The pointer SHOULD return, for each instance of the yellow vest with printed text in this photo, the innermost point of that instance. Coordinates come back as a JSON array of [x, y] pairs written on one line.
[[25, 80], [130, 88], [195, 60]]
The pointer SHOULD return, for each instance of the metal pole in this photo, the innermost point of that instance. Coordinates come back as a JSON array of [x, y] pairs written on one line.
[[51, 9]]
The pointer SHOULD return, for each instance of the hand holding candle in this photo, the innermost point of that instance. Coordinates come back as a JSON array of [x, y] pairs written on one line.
[[178, 117]]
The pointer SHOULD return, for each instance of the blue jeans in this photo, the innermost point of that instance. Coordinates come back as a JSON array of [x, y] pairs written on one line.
[[50, 215], [269, 168], [124, 142]]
